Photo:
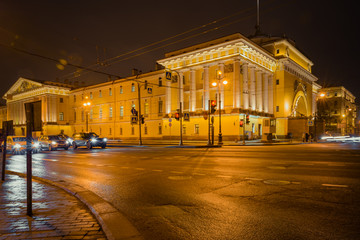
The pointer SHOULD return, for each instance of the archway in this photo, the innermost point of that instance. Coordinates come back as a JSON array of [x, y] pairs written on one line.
[[299, 106]]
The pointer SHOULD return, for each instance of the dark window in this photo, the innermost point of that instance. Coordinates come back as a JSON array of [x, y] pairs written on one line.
[[61, 100], [277, 81]]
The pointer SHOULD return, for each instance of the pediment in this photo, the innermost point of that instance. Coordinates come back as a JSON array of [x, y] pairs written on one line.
[[23, 85]]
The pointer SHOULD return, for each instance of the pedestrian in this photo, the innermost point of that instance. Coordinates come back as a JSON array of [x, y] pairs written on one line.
[[306, 137]]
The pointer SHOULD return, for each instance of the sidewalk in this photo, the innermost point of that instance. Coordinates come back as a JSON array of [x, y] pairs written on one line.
[[56, 213]]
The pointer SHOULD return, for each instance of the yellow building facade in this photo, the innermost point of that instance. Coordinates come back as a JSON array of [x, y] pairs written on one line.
[[267, 79]]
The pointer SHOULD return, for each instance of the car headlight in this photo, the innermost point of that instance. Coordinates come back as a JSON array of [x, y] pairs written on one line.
[[53, 143], [17, 146], [105, 139], [93, 140], [36, 145], [67, 142]]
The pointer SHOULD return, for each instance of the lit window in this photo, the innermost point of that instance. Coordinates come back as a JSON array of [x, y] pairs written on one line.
[[121, 111], [100, 93], [121, 90], [196, 128], [91, 95], [133, 87], [110, 92], [61, 116], [146, 107], [100, 113], [110, 112]]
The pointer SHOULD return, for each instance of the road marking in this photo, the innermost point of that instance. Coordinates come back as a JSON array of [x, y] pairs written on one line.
[[140, 169], [254, 179], [199, 174], [125, 167], [334, 185], [276, 182], [224, 176], [176, 172], [157, 170]]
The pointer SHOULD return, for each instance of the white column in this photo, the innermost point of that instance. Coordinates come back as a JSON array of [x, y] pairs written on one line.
[[245, 86], [192, 91], [266, 92], [168, 96], [206, 88], [252, 88], [181, 86], [259, 92], [236, 84], [271, 94], [222, 91]]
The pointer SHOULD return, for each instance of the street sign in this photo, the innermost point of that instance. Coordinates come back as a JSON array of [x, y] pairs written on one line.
[[134, 119], [149, 90], [170, 124], [170, 119], [168, 76], [186, 117], [310, 123]]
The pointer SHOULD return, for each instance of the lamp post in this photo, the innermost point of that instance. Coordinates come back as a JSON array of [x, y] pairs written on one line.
[[222, 82], [321, 96], [86, 105]]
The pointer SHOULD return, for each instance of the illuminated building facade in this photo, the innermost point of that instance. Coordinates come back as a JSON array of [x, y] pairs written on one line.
[[336, 107], [268, 79]]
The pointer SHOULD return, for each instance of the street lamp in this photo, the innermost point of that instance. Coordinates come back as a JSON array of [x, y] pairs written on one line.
[[86, 106], [220, 81]]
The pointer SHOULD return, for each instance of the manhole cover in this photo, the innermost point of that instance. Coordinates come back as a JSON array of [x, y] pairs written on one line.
[[276, 182]]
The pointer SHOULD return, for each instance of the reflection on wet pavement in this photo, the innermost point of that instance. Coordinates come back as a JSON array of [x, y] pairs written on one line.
[[56, 214]]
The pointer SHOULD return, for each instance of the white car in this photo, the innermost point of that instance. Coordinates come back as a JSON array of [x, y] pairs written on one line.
[[17, 145]]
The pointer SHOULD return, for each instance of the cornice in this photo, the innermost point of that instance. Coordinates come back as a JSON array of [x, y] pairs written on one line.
[[292, 67]]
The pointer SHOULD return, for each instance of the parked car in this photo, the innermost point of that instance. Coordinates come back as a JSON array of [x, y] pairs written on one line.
[[17, 145], [67, 139], [88, 140], [52, 142]]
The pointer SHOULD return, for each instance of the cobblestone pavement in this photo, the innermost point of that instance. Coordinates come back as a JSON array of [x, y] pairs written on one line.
[[56, 213]]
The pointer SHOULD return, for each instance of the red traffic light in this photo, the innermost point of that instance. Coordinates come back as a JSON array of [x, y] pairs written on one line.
[[177, 116], [241, 123], [213, 103]]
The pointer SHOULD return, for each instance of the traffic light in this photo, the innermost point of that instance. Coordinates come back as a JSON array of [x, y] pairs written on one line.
[[241, 123], [247, 119], [142, 119], [146, 85], [213, 106], [177, 115]]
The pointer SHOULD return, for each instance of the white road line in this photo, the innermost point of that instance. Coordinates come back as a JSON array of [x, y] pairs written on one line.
[[176, 172], [254, 179], [334, 185], [224, 176], [157, 170], [199, 174], [140, 169]]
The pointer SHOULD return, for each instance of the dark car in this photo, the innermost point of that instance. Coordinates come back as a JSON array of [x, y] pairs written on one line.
[[88, 140], [52, 142], [66, 138]]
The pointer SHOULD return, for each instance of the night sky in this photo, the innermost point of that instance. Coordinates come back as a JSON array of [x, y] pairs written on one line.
[[87, 33]]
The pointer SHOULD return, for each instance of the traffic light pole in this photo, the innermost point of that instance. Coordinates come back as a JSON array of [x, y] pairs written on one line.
[[220, 134], [244, 126], [209, 114], [181, 117], [139, 114]]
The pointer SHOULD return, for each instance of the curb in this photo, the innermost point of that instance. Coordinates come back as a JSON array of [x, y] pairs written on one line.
[[114, 224]]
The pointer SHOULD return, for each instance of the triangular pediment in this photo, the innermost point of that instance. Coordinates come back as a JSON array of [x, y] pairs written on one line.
[[23, 85]]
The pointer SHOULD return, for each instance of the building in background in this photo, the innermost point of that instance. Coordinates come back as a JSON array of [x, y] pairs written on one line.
[[265, 79], [337, 109]]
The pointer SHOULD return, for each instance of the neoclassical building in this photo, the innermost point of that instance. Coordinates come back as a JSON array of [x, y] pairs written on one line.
[[267, 79]]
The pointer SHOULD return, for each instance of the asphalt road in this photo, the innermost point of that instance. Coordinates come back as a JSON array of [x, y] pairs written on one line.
[[307, 191]]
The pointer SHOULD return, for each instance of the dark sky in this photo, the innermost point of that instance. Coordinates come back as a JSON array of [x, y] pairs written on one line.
[[83, 32]]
